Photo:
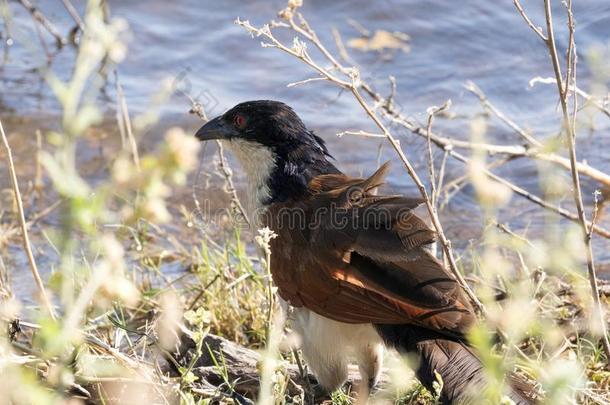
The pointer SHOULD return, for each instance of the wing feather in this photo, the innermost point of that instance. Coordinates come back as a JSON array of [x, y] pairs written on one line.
[[363, 258]]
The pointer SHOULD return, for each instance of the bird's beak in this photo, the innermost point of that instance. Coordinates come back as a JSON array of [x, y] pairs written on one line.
[[215, 129]]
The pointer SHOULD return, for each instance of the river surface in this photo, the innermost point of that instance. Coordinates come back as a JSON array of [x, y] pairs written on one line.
[[197, 45]]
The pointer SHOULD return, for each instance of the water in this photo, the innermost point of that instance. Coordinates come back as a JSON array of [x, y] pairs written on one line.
[[196, 44]]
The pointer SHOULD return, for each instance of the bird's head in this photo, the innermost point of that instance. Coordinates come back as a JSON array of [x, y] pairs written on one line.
[[272, 144], [266, 123]]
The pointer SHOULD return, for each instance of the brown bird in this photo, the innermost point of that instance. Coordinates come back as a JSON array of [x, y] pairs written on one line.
[[355, 266]]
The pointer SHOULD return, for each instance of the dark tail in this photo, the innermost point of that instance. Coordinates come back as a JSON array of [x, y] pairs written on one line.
[[461, 370]]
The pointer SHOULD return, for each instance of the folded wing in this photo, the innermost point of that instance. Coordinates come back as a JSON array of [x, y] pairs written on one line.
[[358, 257]]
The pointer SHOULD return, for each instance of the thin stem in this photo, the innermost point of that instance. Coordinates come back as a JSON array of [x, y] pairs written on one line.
[[569, 123], [24, 229], [44, 21]]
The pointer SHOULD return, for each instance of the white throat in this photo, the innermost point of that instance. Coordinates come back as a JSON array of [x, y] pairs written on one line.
[[258, 162]]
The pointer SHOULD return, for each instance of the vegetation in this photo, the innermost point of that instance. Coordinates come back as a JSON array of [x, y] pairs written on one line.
[[112, 327]]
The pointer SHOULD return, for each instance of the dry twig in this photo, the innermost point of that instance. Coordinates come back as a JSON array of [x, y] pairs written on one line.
[[569, 124], [44, 21], [24, 229], [124, 122]]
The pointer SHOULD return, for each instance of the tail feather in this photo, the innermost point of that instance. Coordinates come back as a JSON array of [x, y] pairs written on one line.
[[461, 370]]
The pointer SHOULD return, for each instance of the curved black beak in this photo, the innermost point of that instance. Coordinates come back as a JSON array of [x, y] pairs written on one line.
[[215, 129]]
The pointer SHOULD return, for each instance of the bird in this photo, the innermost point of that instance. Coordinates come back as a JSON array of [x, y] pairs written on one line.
[[353, 265]]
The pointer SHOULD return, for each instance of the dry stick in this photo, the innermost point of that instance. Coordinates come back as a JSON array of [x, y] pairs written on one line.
[[431, 112], [441, 175], [48, 25], [26, 240], [588, 97], [38, 185], [476, 90], [226, 172], [515, 151], [74, 14], [569, 123], [570, 126], [125, 122], [43, 43]]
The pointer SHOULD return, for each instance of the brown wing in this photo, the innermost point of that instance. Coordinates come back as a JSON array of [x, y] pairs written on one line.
[[357, 257]]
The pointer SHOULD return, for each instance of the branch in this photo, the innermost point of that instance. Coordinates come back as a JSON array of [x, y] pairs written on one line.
[[476, 90], [569, 122], [529, 22], [573, 88], [42, 20], [26, 240]]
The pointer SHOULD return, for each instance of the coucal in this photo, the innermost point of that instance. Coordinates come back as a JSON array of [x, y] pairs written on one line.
[[355, 266]]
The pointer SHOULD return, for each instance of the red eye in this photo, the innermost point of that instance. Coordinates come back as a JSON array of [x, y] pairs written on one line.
[[239, 121]]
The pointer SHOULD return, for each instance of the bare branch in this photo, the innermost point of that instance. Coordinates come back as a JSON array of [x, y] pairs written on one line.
[[476, 90], [361, 133], [311, 79], [594, 101], [24, 228], [44, 21], [74, 14], [125, 122], [569, 122], [431, 112], [529, 22]]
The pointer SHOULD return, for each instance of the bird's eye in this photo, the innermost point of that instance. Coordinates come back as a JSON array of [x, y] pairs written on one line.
[[239, 121]]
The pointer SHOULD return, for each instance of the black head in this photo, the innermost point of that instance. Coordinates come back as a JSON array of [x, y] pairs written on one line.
[[292, 155], [272, 124]]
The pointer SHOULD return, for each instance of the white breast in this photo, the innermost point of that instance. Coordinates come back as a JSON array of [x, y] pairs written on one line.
[[258, 163]]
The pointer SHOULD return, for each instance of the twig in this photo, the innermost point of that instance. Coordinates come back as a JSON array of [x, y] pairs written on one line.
[[360, 133], [227, 174], [197, 109], [596, 195], [311, 79], [431, 112], [476, 90], [74, 14], [26, 240], [43, 43], [588, 97], [529, 22], [48, 25], [441, 175], [125, 122], [341, 47], [569, 123]]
